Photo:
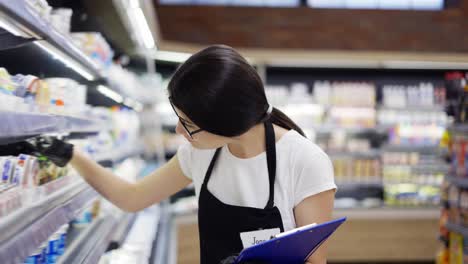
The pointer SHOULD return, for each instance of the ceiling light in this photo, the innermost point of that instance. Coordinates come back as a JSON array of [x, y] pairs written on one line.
[[171, 56]]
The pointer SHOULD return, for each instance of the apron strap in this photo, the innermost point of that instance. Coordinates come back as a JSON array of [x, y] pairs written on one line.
[[210, 168], [271, 160], [270, 142]]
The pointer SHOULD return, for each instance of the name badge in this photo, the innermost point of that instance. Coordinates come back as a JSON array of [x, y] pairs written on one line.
[[256, 237]]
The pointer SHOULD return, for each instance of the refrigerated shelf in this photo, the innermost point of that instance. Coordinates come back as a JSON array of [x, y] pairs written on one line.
[[89, 246], [24, 230], [20, 18], [21, 125]]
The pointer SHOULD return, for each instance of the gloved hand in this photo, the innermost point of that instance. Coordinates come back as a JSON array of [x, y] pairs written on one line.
[[58, 151], [18, 148], [232, 260]]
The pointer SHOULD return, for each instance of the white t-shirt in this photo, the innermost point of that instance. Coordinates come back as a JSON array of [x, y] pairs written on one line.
[[302, 170]]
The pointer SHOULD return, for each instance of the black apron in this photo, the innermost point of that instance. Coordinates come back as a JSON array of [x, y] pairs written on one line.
[[220, 224]]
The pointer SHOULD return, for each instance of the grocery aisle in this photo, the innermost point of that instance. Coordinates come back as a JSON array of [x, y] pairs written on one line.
[[381, 87], [55, 83]]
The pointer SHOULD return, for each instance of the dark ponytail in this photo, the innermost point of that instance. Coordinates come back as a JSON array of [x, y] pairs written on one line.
[[281, 119], [222, 93]]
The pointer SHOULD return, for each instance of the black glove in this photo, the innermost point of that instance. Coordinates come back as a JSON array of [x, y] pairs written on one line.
[[58, 151], [18, 148], [232, 260]]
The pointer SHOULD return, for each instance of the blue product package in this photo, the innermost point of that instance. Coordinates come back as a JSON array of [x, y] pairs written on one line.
[[6, 174], [52, 259], [53, 249], [35, 258], [44, 254], [62, 244]]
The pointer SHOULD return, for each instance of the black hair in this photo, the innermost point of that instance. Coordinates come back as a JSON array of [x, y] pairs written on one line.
[[222, 93]]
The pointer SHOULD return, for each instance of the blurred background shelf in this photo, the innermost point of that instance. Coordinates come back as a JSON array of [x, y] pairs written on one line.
[[458, 181], [462, 230]]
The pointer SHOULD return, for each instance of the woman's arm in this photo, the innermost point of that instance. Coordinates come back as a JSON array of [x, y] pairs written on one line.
[[316, 209], [131, 197]]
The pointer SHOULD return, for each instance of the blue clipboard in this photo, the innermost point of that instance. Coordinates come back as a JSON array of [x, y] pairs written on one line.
[[294, 248]]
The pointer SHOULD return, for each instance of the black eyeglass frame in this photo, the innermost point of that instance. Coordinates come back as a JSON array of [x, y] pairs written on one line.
[[181, 120]]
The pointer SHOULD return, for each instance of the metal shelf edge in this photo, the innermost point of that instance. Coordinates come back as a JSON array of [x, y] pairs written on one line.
[[27, 240]]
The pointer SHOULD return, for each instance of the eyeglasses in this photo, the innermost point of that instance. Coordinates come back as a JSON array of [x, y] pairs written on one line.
[[183, 122]]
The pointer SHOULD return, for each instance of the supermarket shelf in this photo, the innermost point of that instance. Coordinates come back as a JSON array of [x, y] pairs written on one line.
[[325, 129], [92, 242], [382, 213], [24, 230], [25, 21], [426, 167], [457, 229], [164, 236], [376, 184], [461, 128], [119, 154], [122, 230], [435, 108], [407, 148], [21, 125], [458, 181], [367, 154], [388, 213]]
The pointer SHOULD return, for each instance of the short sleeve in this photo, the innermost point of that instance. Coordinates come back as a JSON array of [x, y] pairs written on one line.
[[313, 172], [184, 155]]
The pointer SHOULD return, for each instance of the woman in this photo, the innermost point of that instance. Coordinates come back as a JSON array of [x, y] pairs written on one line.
[[252, 166]]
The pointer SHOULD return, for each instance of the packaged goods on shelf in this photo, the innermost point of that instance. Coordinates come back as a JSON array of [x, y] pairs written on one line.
[[123, 133], [86, 226], [297, 102], [406, 194], [354, 94], [422, 95], [60, 18], [412, 128], [67, 92], [353, 117], [53, 95], [357, 170], [459, 156], [39, 8], [21, 178], [326, 106], [456, 248], [457, 83], [412, 178], [50, 251], [145, 90], [94, 44], [86, 216]]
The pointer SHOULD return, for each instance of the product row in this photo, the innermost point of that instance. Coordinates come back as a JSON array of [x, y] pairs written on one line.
[[21, 177], [459, 154], [355, 170], [92, 43], [29, 93], [56, 245], [422, 95], [360, 94], [413, 195]]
